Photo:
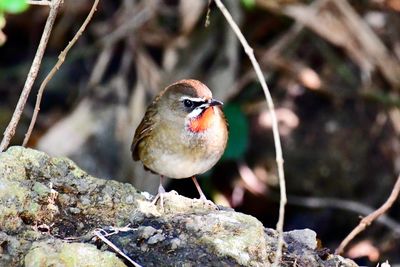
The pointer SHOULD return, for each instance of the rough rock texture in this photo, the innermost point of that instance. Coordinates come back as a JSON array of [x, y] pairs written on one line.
[[49, 209]]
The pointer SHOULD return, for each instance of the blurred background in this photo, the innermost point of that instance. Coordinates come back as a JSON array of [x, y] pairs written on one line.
[[333, 68]]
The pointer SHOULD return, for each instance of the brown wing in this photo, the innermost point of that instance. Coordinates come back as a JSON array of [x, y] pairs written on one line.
[[144, 129]]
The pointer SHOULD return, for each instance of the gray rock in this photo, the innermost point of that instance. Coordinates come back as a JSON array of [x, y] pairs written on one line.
[[155, 239], [49, 209], [148, 231], [306, 237]]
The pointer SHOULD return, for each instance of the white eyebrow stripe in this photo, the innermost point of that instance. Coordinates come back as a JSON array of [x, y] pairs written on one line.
[[194, 99]]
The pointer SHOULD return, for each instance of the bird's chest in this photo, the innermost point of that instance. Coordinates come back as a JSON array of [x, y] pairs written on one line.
[[178, 152], [187, 144]]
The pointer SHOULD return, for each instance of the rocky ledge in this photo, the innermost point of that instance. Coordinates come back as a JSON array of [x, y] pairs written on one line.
[[51, 213]]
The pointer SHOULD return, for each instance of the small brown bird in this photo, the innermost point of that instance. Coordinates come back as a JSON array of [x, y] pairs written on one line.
[[182, 134]]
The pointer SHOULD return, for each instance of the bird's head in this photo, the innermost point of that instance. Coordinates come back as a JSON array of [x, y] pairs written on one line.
[[189, 102]]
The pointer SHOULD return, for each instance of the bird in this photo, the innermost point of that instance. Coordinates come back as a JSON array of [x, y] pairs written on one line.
[[183, 133]]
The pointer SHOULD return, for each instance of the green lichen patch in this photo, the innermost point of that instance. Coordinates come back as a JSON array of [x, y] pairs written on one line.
[[57, 253], [233, 234], [12, 199]]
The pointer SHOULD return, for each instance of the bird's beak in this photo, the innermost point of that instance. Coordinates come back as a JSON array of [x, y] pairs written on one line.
[[214, 102]]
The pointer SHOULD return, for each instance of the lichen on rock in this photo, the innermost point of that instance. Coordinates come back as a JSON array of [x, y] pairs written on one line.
[[58, 253], [49, 209]]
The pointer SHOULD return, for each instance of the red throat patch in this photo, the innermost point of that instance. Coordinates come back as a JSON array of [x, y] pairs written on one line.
[[202, 122]]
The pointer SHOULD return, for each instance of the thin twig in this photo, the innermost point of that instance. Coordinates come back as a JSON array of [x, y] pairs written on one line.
[[61, 59], [365, 222], [207, 22], [39, 2], [99, 234], [277, 141], [10, 130]]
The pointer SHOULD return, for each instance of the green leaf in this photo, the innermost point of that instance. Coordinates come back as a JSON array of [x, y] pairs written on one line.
[[13, 6], [238, 132], [248, 4]]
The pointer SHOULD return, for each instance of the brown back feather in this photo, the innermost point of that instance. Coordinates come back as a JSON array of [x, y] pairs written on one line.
[[145, 127]]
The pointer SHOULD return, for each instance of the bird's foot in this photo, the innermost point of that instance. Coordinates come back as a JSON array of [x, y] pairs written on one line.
[[203, 198], [207, 202], [159, 196]]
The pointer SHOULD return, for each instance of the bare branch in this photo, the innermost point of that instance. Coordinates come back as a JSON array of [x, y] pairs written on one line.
[[275, 131], [10, 130], [365, 222], [61, 59]]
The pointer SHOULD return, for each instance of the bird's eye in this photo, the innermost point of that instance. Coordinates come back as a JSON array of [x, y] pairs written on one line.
[[188, 103]]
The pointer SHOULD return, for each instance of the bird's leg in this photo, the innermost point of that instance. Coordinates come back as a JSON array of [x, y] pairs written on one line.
[[160, 194], [202, 196]]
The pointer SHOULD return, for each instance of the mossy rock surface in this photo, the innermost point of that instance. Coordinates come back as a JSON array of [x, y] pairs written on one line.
[[49, 209]]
